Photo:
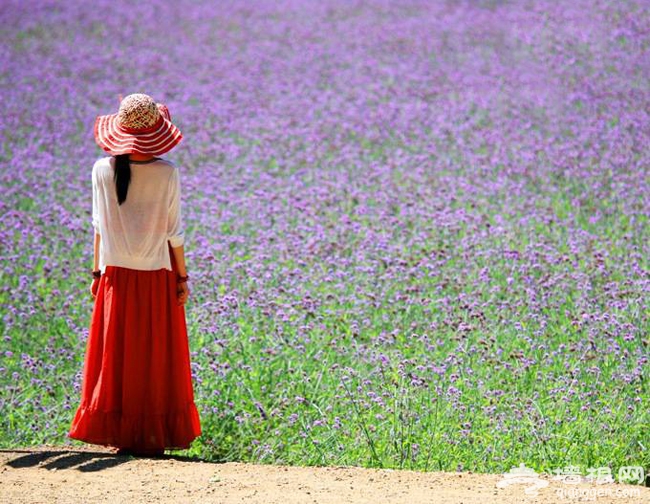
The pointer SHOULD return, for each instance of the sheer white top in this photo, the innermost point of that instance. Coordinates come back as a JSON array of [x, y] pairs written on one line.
[[135, 234]]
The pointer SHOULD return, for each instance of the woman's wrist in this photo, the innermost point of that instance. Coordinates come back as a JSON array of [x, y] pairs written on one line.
[[97, 274]]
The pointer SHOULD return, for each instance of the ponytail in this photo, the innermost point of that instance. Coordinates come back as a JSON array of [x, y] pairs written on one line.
[[122, 176]]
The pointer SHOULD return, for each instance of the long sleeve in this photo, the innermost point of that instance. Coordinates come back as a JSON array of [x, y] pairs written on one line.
[[175, 230], [95, 219]]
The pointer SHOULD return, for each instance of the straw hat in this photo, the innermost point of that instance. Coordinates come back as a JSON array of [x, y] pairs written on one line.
[[140, 126]]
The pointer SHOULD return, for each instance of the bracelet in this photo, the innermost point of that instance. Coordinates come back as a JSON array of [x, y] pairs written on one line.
[[182, 279], [97, 274]]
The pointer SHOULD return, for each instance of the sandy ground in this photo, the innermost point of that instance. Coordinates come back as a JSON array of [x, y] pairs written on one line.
[[55, 474]]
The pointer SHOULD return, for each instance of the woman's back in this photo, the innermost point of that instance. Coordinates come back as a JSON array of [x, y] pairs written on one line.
[[135, 233]]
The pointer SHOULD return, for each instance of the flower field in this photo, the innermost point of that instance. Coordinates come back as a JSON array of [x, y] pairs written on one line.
[[416, 231]]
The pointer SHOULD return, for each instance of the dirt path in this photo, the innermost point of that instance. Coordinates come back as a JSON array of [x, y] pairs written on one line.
[[54, 474]]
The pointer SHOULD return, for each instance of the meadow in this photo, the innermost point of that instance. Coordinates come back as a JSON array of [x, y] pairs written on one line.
[[417, 231]]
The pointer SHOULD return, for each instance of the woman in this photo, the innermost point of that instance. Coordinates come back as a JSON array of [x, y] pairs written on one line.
[[137, 391]]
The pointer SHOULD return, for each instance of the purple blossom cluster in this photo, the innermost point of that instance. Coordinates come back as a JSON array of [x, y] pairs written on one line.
[[417, 231]]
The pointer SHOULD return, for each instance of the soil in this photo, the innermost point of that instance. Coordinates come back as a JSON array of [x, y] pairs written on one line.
[[58, 474]]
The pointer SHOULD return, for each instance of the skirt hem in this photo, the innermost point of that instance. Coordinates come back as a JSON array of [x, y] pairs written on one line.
[[171, 431]]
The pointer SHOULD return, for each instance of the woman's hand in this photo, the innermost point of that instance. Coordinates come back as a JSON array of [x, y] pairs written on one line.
[[94, 287], [183, 292]]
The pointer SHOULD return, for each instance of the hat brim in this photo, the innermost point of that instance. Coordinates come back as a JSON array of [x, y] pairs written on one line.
[[115, 140]]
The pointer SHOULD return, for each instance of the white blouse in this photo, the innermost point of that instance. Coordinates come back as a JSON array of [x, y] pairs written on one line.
[[135, 234]]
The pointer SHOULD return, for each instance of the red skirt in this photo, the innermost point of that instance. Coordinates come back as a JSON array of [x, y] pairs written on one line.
[[137, 386]]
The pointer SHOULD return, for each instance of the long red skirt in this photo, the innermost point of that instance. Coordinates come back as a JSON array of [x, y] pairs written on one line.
[[137, 386]]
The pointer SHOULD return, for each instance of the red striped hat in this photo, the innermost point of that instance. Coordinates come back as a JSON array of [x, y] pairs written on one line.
[[140, 126]]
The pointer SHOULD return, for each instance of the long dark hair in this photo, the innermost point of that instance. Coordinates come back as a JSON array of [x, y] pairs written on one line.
[[122, 176]]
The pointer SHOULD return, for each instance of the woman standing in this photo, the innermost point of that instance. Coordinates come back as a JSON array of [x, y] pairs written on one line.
[[137, 391]]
